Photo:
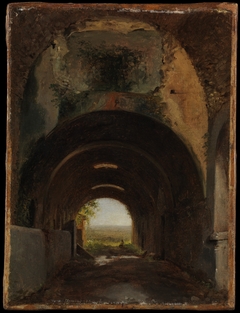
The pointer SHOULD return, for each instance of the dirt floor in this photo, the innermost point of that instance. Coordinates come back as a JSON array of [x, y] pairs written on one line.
[[123, 279]]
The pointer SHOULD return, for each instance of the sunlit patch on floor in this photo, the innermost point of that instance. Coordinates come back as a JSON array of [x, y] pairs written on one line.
[[103, 259]]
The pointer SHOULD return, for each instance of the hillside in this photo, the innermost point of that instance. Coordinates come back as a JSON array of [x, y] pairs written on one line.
[[109, 234]]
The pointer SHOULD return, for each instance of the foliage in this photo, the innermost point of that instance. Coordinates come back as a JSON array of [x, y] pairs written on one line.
[[65, 99], [112, 65], [87, 211], [25, 213]]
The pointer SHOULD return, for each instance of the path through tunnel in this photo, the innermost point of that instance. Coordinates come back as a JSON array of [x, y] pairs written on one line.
[[131, 158]]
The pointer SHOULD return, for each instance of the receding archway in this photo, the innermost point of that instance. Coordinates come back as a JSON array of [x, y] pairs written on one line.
[[131, 158]]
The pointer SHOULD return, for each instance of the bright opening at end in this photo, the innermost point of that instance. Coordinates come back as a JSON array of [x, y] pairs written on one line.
[[109, 228], [110, 212], [105, 228]]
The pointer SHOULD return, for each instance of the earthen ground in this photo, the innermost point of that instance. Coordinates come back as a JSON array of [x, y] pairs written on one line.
[[124, 279]]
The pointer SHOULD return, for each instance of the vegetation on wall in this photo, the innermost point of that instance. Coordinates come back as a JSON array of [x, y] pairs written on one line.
[[110, 67], [26, 210], [64, 98], [87, 211]]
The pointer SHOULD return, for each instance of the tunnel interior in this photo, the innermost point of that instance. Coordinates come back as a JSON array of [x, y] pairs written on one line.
[[128, 157]]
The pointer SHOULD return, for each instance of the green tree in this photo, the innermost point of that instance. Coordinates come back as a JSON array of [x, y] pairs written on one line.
[[87, 211]]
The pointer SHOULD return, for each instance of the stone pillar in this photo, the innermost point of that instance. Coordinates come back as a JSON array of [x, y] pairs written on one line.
[[221, 259], [80, 241], [71, 227], [221, 209], [81, 233]]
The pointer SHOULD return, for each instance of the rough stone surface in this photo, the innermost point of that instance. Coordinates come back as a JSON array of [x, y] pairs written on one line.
[[28, 271], [35, 256], [57, 250]]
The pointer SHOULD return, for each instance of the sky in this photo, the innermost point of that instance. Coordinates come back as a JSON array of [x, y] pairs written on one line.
[[111, 212]]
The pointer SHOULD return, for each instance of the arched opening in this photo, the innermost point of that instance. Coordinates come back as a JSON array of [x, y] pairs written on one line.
[[131, 158], [105, 227], [103, 222], [106, 67], [115, 63], [111, 212]]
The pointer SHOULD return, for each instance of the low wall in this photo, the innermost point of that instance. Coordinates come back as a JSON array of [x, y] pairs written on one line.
[[35, 256]]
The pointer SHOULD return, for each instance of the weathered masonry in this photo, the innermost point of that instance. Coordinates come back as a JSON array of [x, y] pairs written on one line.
[[134, 103]]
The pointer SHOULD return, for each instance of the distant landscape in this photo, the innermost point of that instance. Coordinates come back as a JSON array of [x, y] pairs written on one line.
[[109, 235], [105, 240]]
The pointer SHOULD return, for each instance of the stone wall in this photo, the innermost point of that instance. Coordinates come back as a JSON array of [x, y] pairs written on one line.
[[35, 256]]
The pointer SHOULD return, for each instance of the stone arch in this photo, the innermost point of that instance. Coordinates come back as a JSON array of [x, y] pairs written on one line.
[[148, 157], [171, 101], [173, 93]]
